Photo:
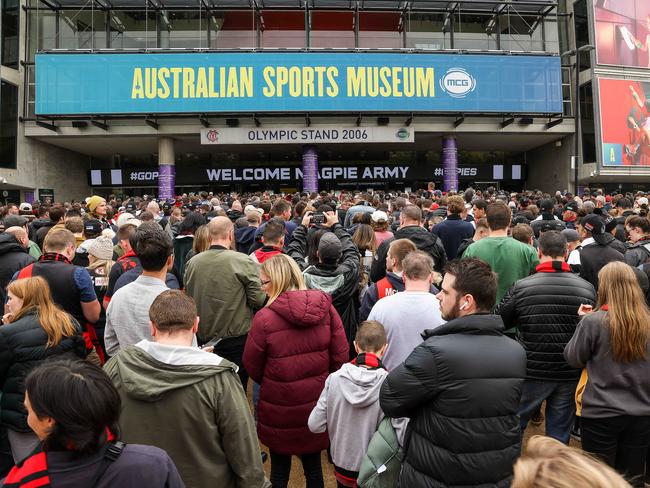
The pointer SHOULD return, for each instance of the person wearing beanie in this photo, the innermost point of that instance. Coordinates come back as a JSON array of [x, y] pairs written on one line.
[[97, 209], [100, 259]]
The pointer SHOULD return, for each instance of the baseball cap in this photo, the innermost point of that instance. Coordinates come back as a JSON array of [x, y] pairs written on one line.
[[130, 206], [15, 221], [329, 247], [642, 201], [252, 208], [27, 207], [610, 224], [571, 206], [596, 225], [379, 216], [546, 205], [571, 235], [123, 218], [92, 226]]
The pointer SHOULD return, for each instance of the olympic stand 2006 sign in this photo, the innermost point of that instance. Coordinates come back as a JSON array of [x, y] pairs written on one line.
[[75, 84]]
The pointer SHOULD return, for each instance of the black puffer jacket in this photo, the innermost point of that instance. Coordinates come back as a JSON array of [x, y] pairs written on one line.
[[423, 240], [620, 233], [544, 308], [461, 389], [13, 257], [22, 348]]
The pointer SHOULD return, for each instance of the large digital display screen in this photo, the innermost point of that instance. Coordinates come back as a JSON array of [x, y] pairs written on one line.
[[623, 32], [76, 84], [624, 122]]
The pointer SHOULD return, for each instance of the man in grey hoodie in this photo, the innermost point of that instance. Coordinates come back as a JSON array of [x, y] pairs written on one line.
[[348, 408], [186, 401]]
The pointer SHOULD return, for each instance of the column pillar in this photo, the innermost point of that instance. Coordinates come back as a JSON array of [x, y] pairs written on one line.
[[449, 163], [309, 169], [166, 168]]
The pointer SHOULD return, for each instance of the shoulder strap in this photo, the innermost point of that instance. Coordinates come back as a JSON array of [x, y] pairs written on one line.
[[111, 454], [383, 288], [26, 272]]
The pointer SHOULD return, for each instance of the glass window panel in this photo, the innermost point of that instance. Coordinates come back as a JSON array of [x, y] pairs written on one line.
[[332, 29], [8, 124], [521, 32], [9, 15], [233, 29], [472, 31], [132, 29], [282, 29], [82, 29], [427, 31], [380, 30], [183, 29]]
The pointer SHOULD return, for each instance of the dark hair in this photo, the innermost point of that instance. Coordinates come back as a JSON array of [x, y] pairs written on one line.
[[522, 233], [73, 212], [299, 209], [42, 210], [191, 222], [279, 207], [498, 216], [475, 277], [152, 246], [82, 400], [56, 213], [371, 336], [480, 204], [313, 239], [552, 243], [637, 221], [624, 202], [173, 310], [274, 230]]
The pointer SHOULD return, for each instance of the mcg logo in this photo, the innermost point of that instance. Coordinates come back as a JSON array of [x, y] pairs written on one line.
[[457, 82]]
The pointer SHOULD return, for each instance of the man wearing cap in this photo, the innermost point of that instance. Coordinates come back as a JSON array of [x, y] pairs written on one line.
[[453, 230], [638, 231], [574, 247], [596, 249], [547, 217], [337, 270], [570, 214], [20, 221], [13, 255], [379, 222]]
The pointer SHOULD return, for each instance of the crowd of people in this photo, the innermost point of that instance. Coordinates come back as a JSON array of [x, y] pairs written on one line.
[[411, 336]]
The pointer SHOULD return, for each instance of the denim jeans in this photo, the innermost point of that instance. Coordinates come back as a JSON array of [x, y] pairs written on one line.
[[560, 406]]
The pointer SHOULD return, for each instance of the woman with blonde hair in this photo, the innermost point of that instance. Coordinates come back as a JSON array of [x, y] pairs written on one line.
[[547, 463], [613, 344], [34, 330], [201, 242], [295, 341]]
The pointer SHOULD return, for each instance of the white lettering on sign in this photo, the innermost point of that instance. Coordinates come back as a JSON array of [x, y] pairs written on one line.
[[306, 135], [324, 173]]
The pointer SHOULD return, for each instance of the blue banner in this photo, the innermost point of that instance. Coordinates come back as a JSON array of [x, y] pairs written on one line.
[[76, 84]]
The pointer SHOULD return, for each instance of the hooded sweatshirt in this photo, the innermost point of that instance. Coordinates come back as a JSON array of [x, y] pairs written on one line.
[[191, 404], [348, 408]]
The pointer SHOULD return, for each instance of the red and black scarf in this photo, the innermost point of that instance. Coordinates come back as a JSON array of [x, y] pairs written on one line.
[[368, 359], [55, 256], [553, 267]]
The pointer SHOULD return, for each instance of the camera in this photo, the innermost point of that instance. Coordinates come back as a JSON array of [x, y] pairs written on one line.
[[318, 218]]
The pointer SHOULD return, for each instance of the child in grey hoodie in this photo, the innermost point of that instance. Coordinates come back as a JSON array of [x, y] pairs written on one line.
[[348, 407]]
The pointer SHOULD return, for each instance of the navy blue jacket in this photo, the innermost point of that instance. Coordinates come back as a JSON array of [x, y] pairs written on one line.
[[452, 232]]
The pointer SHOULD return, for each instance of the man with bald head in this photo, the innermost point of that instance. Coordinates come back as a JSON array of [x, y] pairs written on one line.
[[14, 255], [226, 287]]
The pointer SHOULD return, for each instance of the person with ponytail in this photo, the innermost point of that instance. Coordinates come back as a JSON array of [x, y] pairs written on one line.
[[73, 409], [34, 330], [613, 344]]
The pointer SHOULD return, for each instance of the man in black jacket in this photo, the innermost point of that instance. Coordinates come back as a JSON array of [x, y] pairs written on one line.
[[13, 256], [624, 207], [547, 218], [597, 249], [410, 228], [544, 309], [461, 389], [337, 270], [638, 231]]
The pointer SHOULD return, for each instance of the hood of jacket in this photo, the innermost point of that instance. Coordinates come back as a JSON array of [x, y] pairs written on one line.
[[234, 215], [148, 370], [38, 223], [324, 279], [9, 244], [265, 253], [360, 386], [244, 236], [419, 235], [303, 308], [396, 281]]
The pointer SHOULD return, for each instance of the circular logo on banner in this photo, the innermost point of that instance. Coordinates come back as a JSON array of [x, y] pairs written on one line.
[[212, 135], [5, 193], [403, 134], [457, 82]]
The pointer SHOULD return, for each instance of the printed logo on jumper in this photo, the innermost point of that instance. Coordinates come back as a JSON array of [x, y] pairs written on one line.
[[457, 82]]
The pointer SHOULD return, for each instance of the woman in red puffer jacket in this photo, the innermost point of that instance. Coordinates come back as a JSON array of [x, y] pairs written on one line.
[[294, 343]]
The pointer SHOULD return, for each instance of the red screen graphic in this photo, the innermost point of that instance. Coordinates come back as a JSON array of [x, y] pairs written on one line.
[[623, 32]]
